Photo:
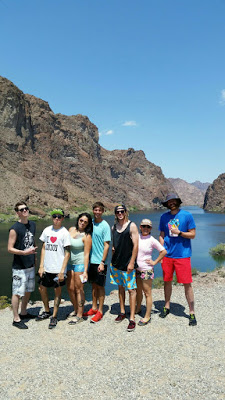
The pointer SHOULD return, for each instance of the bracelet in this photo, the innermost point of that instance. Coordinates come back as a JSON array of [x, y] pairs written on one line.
[[102, 262]]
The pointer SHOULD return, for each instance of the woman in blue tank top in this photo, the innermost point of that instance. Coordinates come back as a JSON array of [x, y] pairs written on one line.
[[79, 260]]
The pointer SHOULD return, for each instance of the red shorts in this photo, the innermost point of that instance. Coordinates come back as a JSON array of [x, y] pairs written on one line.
[[182, 266]]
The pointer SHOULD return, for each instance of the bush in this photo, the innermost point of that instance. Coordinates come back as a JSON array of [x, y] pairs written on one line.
[[218, 251], [4, 302], [158, 283]]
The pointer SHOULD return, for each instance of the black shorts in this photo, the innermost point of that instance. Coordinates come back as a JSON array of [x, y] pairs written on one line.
[[97, 277], [47, 280]]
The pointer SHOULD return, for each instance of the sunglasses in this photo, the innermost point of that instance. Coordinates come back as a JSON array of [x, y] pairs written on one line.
[[120, 212], [82, 220], [145, 226], [57, 216], [23, 209]]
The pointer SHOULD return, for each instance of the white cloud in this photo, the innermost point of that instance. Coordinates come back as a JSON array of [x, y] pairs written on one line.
[[110, 132], [222, 97], [99, 134], [129, 123]]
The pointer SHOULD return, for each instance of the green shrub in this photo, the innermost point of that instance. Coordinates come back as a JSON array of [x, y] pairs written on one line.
[[158, 283], [194, 271], [218, 251], [4, 302]]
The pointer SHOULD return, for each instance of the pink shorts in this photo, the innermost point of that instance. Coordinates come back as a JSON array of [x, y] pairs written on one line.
[[182, 266]]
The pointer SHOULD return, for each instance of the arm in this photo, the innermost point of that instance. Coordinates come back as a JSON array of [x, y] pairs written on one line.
[[64, 264], [113, 248], [135, 238], [87, 249], [11, 244], [101, 266], [190, 234], [41, 267], [158, 259], [161, 238]]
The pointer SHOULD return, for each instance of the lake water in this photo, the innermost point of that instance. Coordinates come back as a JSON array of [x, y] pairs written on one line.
[[210, 231]]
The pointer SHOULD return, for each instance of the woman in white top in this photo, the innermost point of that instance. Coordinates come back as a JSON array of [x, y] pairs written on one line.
[[145, 269]]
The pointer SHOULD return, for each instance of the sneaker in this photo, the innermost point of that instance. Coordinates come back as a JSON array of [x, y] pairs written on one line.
[[52, 323], [120, 317], [27, 316], [143, 323], [97, 317], [164, 312], [90, 312], [192, 320], [20, 325], [42, 316], [131, 326]]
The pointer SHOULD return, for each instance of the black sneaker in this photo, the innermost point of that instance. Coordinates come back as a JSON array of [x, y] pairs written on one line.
[[27, 316], [164, 312], [192, 320], [42, 316], [20, 325], [52, 323]]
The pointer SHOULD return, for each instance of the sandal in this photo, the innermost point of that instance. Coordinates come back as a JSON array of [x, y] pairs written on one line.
[[143, 323], [75, 321]]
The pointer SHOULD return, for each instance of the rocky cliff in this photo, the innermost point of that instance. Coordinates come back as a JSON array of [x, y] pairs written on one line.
[[55, 160], [203, 186], [189, 194], [215, 195]]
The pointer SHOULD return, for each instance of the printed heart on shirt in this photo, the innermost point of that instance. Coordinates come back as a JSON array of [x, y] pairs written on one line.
[[53, 239]]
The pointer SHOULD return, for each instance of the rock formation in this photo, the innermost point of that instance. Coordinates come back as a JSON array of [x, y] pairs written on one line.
[[215, 195], [203, 186], [55, 160], [189, 194]]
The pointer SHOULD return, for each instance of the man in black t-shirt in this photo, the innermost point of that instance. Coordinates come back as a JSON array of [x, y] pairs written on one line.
[[21, 243]]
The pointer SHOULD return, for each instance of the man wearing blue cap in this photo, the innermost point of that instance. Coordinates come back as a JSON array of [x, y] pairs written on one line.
[[177, 228]]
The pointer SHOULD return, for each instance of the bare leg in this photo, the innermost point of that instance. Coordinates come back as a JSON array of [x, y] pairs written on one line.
[[57, 300], [101, 298], [80, 294], [132, 300], [139, 294], [147, 287], [24, 303], [94, 296], [15, 307], [122, 299], [189, 296], [167, 293], [44, 297], [70, 283]]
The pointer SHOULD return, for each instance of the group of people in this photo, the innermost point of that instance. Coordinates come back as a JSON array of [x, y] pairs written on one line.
[[75, 256]]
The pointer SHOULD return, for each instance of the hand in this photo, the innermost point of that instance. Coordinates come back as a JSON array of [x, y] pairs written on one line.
[[61, 276], [41, 271], [101, 267], [175, 231], [130, 268], [150, 262], [85, 276], [31, 250]]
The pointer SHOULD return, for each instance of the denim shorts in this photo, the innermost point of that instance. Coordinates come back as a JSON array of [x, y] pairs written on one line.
[[122, 278], [75, 267]]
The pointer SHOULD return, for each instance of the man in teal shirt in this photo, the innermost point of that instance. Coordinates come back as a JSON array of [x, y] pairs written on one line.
[[101, 238]]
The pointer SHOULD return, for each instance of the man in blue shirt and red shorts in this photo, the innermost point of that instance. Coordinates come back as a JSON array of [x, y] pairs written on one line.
[[177, 228]]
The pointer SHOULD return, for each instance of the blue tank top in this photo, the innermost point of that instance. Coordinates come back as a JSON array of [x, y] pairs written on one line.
[[77, 250]]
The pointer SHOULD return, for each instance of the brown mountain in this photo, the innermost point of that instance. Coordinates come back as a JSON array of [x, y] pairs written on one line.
[[56, 160], [203, 186], [189, 194], [215, 195]]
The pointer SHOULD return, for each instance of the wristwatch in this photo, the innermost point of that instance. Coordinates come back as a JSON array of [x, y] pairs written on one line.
[[179, 234]]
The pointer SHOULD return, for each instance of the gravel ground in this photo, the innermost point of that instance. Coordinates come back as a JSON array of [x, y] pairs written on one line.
[[166, 359]]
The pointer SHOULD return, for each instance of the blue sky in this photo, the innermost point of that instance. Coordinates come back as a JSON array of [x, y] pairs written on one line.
[[150, 74]]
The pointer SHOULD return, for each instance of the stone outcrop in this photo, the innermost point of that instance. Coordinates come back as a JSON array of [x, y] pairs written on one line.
[[189, 194], [203, 186], [55, 160], [215, 195]]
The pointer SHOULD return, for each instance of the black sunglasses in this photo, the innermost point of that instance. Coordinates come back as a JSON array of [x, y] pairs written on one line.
[[57, 216], [145, 226], [23, 209], [120, 212]]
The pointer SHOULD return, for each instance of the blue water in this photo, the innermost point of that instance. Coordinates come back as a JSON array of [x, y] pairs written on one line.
[[209, 232]]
